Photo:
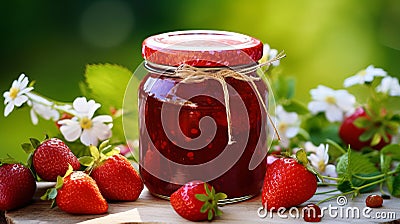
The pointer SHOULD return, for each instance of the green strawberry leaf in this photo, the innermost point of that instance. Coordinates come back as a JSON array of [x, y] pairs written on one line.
[[301, 157], [28, 148], [202, 197], [293, 105], [106, 84], [367, 135], [392, 150], [394, 185], [345, 186], [35, 143], [362, 122], [220, 196], [8, 160], [357, 182], [210, 215], [205, 207], [376, 139], [104, 144], [354, 163], [86, 160], [60, 183], [94, 152]]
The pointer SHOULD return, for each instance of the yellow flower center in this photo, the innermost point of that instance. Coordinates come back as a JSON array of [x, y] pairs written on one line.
[[330, 99], [86, 123], [14, 92], [362, 73], [282, 127], [321, 166]]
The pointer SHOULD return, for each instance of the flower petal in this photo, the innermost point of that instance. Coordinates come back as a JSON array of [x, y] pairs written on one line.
[[317, 106], [34, 117], [89, 137], [102, 118], [330, 170], [72, 131], [20, 100], [333, 113], [9, 107]]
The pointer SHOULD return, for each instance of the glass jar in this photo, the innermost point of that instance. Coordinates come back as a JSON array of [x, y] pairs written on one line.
[[200, 116]]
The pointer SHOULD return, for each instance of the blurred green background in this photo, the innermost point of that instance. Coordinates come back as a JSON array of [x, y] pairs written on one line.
[[52, 41]]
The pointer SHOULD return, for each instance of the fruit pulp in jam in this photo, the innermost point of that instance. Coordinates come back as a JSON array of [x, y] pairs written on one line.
[[177, 132]]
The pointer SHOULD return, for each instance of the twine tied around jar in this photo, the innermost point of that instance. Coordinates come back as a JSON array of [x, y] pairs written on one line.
[[190, 74]]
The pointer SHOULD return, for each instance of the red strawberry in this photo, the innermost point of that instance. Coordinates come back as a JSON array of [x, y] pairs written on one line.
[[113, 173], [77, 193], [196, 201], [117, 179], [287, 183], [312, 213], [51, 158], [373, 128], [17, 186]]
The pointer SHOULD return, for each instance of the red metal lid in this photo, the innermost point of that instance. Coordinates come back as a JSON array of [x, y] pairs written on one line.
[[202, 48]]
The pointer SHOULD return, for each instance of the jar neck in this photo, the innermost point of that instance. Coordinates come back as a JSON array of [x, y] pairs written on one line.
[[168, 70]]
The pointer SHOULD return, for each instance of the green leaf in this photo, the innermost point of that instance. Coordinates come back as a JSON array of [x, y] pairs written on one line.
[[202, 197], [362, 122], [60, 183], [104, 144], [220, 196], [28, 148], [86, 160], [107, 84], [52, 193], [367, 135], [210, 215], [345, 186], [301, 156], [376, 139], [205, 207], [354, 163], [392, 150], [35, 143], [94, 152], [394, 188], [8, 160], [293, 105]]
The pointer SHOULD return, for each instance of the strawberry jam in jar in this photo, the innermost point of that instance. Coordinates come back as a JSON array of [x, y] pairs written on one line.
[[202, 113]]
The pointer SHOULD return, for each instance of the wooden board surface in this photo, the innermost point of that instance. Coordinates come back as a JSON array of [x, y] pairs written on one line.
[[149, 209]]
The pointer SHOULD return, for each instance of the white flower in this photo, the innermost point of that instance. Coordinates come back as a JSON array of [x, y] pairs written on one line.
[[363, 76], [335, 103], [268, 54], [90, 130], [42, 107], [310, 147], [319, 159], [17, 94], [287, 123], [390, 86]]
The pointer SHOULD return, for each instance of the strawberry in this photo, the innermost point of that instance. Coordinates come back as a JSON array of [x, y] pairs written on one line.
[[374, 201], [196, 201], [365, 128], [17, 186], [312, 213], [51, 158], [117, 179], [77, 193], [114, 174], [288, 183]]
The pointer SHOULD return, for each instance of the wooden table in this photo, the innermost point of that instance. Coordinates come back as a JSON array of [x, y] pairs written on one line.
[[148, 209]]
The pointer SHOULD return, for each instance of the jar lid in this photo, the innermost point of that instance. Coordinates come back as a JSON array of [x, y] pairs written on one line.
[[202, 48]]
